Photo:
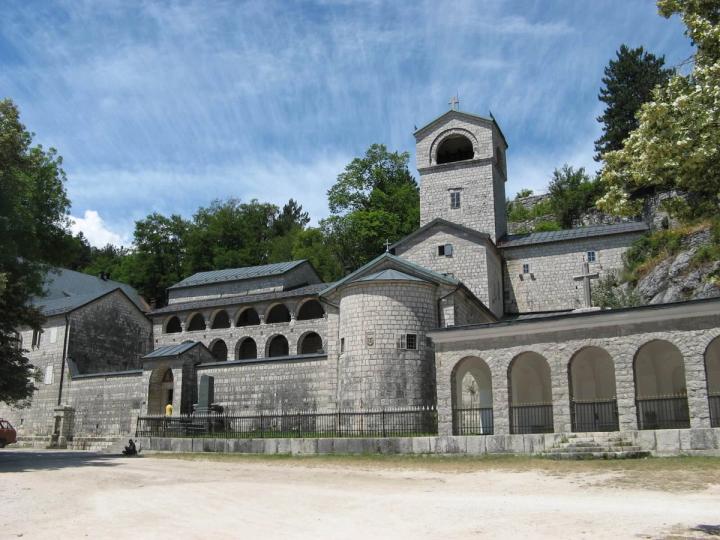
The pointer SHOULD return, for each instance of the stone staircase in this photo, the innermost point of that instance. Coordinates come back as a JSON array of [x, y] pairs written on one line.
[[612, 446]]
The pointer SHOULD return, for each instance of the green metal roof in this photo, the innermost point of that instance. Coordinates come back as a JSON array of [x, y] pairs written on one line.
[[172, 350], [516, 240], [237, 274]]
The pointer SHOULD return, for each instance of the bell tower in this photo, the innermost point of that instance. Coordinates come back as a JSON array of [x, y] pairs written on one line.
[[461, 161]]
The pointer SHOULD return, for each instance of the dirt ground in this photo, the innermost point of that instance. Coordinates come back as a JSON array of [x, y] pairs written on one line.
[[49, 494]]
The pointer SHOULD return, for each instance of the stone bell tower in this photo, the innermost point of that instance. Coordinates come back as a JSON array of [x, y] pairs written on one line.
[[461, 161]]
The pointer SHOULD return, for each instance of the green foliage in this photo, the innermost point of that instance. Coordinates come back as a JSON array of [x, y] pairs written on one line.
[[549, 225], [524, 193], [572, 193], [33, 230], [519, 212], [628, 83], [647, 250], [609, 293], [676, 145]]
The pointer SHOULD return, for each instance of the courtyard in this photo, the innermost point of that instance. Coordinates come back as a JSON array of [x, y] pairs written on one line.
[[64, 494]]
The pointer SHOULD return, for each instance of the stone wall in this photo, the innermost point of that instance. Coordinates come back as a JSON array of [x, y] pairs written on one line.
[[550, 285]]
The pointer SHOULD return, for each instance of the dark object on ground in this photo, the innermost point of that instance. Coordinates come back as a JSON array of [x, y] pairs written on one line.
[[130, 449]]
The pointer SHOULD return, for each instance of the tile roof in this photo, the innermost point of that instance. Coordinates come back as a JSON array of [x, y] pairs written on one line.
[[172, 350], [571, 234], [237, 274]]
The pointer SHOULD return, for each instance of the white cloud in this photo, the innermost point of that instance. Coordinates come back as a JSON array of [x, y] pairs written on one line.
[[95, 230]]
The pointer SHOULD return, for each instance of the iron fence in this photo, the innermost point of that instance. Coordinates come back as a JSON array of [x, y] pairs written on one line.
[[536, 418], [601, 415], [474, 421], [714, 410], [311, 424], [663, 412]]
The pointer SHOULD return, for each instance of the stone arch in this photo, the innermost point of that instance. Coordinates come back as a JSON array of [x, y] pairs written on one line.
[[454, 133], [246, 349], [593, 402], [310, 343], [248, 317], [472, 397], [277, 346], [221, 319], [660, 389], [277, 313], [173, 325], [161, 390], [196, 322], [530, 393], [310, 309], [219, 350], [712, 374]]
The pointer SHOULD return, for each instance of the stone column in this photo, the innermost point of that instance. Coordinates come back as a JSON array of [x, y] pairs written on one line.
[[560, 390], [63, 427], [501, 399], [625, 385], [697, 395], [444, 393]]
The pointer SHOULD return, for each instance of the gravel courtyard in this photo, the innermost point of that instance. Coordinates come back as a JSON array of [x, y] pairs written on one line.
[[48, 494]]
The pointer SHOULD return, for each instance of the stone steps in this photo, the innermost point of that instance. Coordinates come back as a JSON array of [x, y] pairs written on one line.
[[602, 447]]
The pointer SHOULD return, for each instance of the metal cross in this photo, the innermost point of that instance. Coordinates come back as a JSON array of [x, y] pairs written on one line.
[[586, 276], [387, 245], [454, 103]]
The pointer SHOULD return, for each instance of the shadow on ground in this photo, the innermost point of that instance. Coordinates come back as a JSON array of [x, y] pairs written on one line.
[[29, 460], [710, 530]]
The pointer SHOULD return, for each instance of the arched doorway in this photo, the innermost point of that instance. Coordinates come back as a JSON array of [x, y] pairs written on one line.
[[173, 326], [312, 309], [593, 402], [278, 314], [219, 350], [712, 371], [248, 317], [246, 349], [161, 389], [277, 346], [472, 399], [530, 394], [221, 320], [660, 390], [197, 322], [310, 343]]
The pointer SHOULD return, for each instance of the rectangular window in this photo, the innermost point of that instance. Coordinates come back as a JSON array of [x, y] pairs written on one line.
[[342, 345], [445, 250], [590, 256], [37, 336], [454, 199], [526, 268], [407, 341]]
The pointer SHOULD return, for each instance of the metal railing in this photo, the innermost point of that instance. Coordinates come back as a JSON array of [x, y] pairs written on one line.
[[670, 412], [600, 415], [714, 400], [532, 418], [312, 424], [473, 421]]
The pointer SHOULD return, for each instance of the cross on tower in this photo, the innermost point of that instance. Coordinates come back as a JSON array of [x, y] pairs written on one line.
[[454, 103], [387, 245], [586, 276]]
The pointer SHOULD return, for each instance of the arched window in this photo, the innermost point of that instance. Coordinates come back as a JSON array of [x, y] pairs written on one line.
[[197, 322], [278, 314], [246, 349], [310, 343], [277, 346], [455, 148], [593, 406], [221, 320], [712, 371], [660, 391], [312, 309], [173, 325], [472, 398], [530, 394], [248, 317], [219, 350]]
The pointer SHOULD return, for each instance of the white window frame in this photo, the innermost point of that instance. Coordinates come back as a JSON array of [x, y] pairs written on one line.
[[455, 204], [403, 342], [591, 256], [526, 268]]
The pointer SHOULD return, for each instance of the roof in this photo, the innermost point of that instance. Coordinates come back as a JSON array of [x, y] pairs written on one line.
[[445, 223], [516, 240], [237, 274], [453, 112], [172, 350], [66, 290], [389, 274], [307, 290]]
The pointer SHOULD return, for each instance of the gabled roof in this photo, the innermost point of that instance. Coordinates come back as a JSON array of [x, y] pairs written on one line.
[[172, 350], [571, 234], [238, 274], [440, 222], [390, 274], [448, 114]]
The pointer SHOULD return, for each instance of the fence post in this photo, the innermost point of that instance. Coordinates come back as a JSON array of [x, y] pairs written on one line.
[[383, 423], [262, 426], [339, 424]]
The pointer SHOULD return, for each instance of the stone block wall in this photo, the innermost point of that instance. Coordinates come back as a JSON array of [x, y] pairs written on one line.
[[550, 285]]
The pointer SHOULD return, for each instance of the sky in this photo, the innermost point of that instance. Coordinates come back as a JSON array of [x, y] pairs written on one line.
[[165, 106]]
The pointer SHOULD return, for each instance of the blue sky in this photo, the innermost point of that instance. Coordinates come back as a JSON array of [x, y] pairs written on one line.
[[164, 106]]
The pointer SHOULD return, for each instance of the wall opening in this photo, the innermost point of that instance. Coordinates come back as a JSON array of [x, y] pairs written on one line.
[[472, 398], [312, 309], [310, 343], [246, 349], [221, 320], [197, 322], [712, 371], [173, 325], [248, 317], [160, 392], [530, 394], [277, 346], [593, 403], [455, 148], [219, 350], [278, 314]]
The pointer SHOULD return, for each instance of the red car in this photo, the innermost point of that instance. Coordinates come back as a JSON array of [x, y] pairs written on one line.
[[7, 433]]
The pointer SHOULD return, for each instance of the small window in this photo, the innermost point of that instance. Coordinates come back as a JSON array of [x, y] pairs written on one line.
[[590, 256], [342, 345], [526, 268], [454, 199], [407, 341], [446, 250]]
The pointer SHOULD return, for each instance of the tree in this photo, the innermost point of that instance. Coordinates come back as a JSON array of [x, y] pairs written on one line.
[[33, 224], [572, 193], [676, 145], [375, 199], [628, 83]]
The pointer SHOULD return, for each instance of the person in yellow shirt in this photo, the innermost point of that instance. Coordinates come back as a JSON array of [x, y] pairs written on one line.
[[168, 409]]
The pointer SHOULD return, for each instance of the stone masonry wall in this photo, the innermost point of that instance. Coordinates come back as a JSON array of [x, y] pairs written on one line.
[[550, 285], [372, 370]]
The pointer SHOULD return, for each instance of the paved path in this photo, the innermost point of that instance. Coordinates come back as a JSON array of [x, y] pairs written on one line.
[[48, 494]]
